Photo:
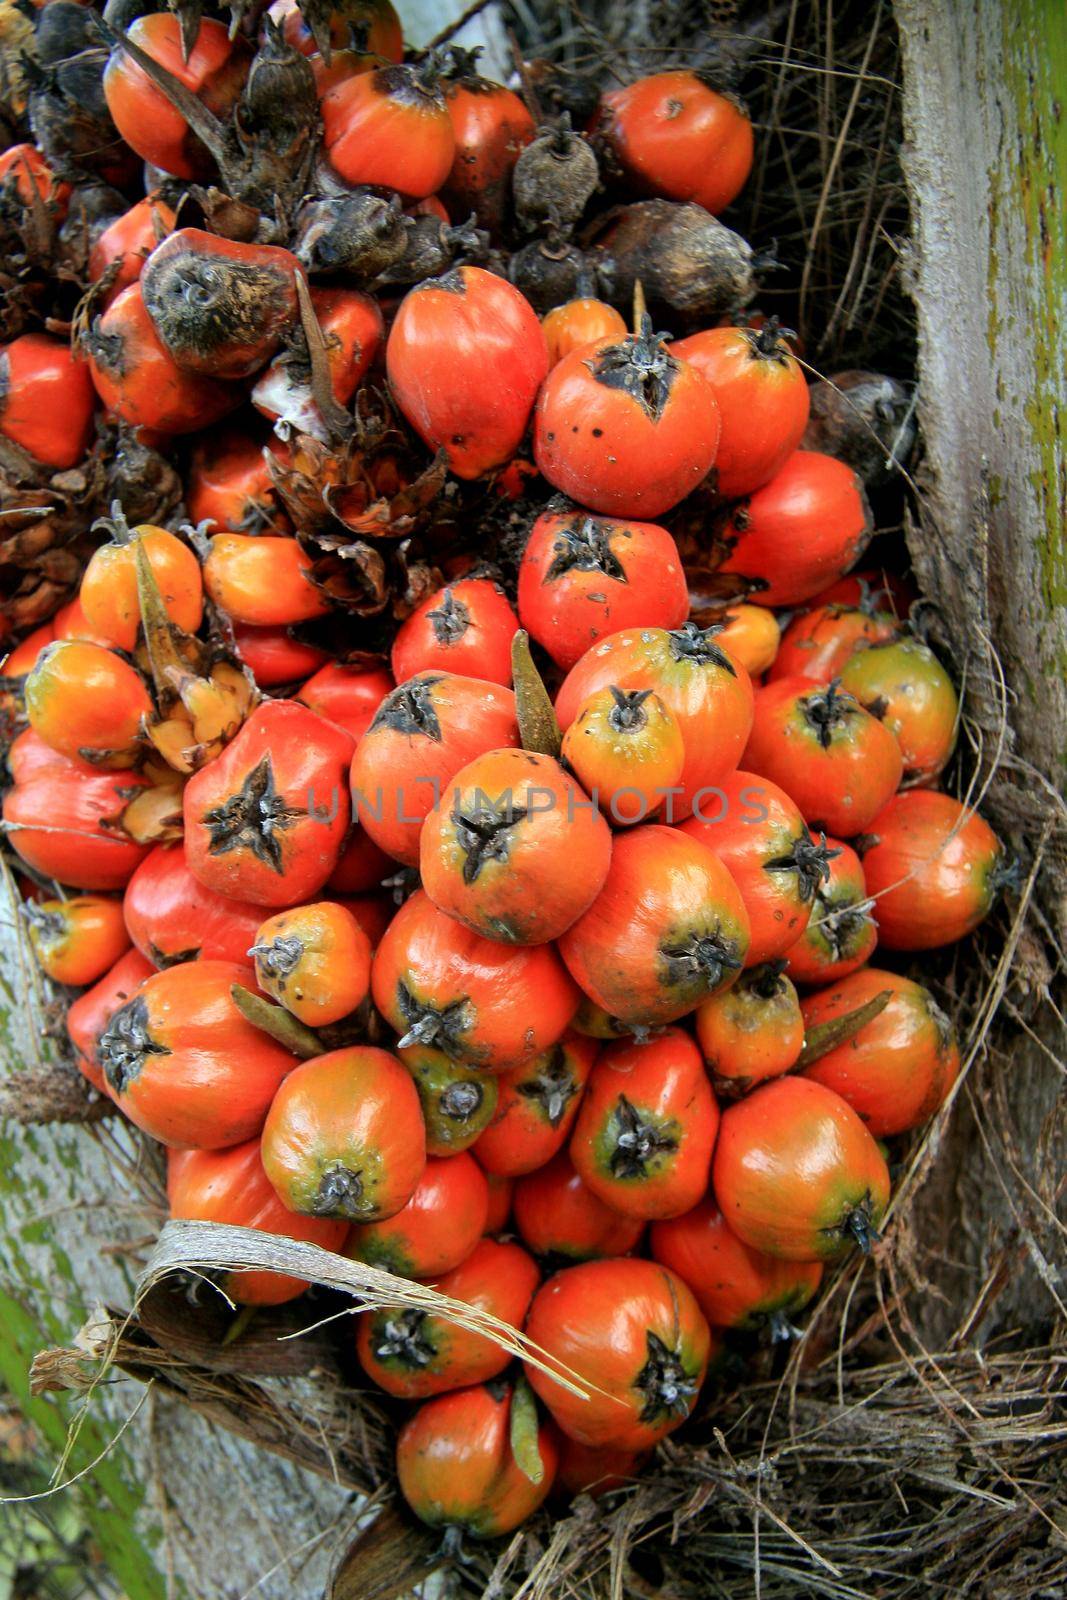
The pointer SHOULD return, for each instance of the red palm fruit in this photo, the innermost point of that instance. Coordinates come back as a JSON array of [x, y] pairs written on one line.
[[352, 326], [77, 940], [376, 21], [46, 399], [266, 820], [412, 1353], [634, 1330], [587, 1469], [491, 125], [625, 428], [87, 703], [457, 1467], [583, 578], [900, 1066], [465, 628], [349, 695], [344, 1136], [627, 750], [841, 933], [903, 684], [129, 241], [750, 634], [797, 1175], [833, 758], [735, 1286], [184, 1064], [457, 1101], [231, 1186], [708, 692], [172, 917], [668, 929], [25, 170], [436, 1230], [751, 1032], [89, 1015], [109, 588], [644, 1135], [421, 735], [817, 644], [758, 833], [315, 961], [137, 378], [800, 531], [514, 849], [559, 1218], [763, 401], [933, 869], [390, 129], [229, 482], [500, 1195], [536, 1108], [486, 1005], [465, 358], [80, 844], [675, 137], [361, 866], [578, 323], [273, 656], [214, 69]]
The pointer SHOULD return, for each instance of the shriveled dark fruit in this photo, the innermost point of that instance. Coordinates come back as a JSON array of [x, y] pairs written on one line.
[[863, 418], [70, 120], [279, 98], [432, 246], [549, 272], [144, 482], [91, 207], [357, 233], [555, 177], [689, 264], [64, 28]]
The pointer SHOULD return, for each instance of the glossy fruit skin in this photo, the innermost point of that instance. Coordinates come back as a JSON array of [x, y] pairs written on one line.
[[796, 1174], [627, 750], [344, 1136], [413, 1354], [839, 764], [46, 399], [500, 1196], [578, 323], [466, 628], [536, 1108], [89, 1015], [644, 1135], [139, 382], [289, 763], [75, 846], [214, 70], [514, 849], [676, 138], [841, 933], [931, 868], [23, 658], [457, 1102], [634, 1329], [668, 928], [708, 692], [735, 1286], [600, 441], [896, 1071], [465, 359], [384, 35], [87, 703], [583, 578], [32, 179], [220, 306], [559, 1218], [183, 1063], [750, 634], [109, 586], [763, 402], [130, 240], [231, 1186], [421, 735], [76, 941], [274, 657], [361, 867], [583, 1470], [347, 695], [817, 644], [436, 1230], [760, 836], [456, 1467], [352, 325], [390, 129], [172, 918], [229, 481], [905, 686], [261, 580], [751, 1032], [801, 531], [485, 1005], [315, 961], [490, 126]]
